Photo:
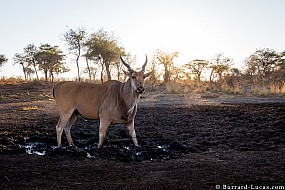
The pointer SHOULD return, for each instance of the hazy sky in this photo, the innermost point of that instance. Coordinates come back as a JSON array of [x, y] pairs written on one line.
[[196, 28]]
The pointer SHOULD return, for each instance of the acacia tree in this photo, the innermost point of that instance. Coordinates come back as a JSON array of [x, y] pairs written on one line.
[[166, 59], [26, 60], [234, 77], [278, 76], [103, 47], [263, 62], [51, 60], [220, 65], [92, 73], [196, 67], [29, 56], [20, 59], [265, 66], [154, 76], [3, 60], [75, 39], [89, 70]]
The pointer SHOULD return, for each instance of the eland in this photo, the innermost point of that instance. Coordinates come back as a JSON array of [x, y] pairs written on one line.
[[112, 102]]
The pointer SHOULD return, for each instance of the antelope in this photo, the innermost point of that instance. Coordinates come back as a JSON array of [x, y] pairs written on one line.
[[112, 102]]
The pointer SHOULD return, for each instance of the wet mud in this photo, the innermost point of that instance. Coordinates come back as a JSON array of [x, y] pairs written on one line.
[[163, 133]]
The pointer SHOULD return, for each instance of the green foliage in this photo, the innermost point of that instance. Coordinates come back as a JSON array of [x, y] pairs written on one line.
[[266, 67], [75, 39], [104, 49], [29, 56], [263, 62], [20, 59], [196, 67], [46, 58], [27, 60], [50, 60], [219, 65]]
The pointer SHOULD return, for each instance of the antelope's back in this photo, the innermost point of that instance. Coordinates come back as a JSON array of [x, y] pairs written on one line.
[[86, 98]]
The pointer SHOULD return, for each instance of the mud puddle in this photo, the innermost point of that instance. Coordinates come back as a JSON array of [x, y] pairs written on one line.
[[121, 150]]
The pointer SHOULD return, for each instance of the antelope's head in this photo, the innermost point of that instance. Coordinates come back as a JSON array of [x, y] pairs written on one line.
[[137, 78]]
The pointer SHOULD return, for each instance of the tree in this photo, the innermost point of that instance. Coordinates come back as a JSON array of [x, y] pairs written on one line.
[[266, 66], [278, 76], [234, 77], [166, 59], [92, 73], [176, 73], [26, 60], [196, 67], [263, 62], [20, 59], [103, 47], [220, 65], [29, 56], [75, 39], [29, 72], [89, 70], [154, 76], [3, 60], [51, 60]]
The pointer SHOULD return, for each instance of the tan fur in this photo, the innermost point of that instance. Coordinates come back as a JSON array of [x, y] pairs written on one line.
[[110, 102]]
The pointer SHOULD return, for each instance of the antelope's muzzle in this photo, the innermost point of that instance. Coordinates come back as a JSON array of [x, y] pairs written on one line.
[[140, 90]]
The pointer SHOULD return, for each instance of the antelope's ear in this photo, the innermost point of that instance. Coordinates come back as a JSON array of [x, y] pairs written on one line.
[[147, 74]]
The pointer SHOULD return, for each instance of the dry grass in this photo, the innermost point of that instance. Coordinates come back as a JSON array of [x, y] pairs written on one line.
[[206, 87], [266, 91], [11, 80], [184, 87]]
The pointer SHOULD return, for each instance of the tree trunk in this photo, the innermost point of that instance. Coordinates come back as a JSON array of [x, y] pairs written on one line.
[[52, 77], [78, 71], [34, 64], [211, 75], [199, 77], [88, 68], [102, 70], [118, 70], [102, 79], [46, 75], [24, 71], [77, 62], [166, 76], [46, 71], [107, 65]]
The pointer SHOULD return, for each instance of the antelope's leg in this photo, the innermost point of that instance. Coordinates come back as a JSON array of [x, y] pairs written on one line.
[[132, 132], [104, 124], [59, 130], [62, 122], [71, 121]]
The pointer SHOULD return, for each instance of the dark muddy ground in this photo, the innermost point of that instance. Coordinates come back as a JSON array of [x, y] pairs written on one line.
[[186, 143]]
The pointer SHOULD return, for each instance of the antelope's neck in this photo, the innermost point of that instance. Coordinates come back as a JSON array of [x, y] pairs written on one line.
[[129, 96]]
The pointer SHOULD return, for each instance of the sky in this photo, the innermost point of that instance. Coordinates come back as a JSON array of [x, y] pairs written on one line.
[[197, 29]]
